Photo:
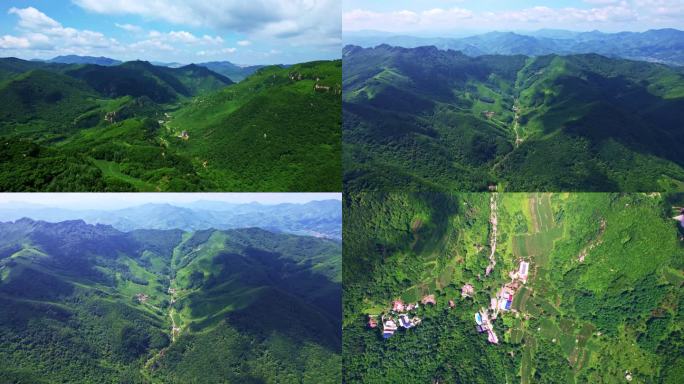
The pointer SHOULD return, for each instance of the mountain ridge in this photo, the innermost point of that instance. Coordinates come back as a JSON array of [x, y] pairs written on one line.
[[658, 45], [125, 306], [516, 121], [319, 218]]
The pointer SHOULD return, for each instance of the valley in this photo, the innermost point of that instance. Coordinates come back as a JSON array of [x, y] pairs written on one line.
[[579, 291], [135, 126], [444, 121], [87, 303]]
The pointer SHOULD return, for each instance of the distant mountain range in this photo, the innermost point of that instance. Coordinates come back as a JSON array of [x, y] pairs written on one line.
[[661, 46], [75, 59], [235, 72], [316, 218]]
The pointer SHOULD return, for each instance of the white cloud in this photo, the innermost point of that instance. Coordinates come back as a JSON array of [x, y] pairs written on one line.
[[151, 44], [212, 40], [129, 27], [40, 32], [600, 14], [31, 18], [244, 43], [13, 42], [182, 36], [217, 52], [431, 18], [314, 21]]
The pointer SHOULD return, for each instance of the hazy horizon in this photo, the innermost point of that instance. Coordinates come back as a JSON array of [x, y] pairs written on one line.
[[114, 201], [445, 17]]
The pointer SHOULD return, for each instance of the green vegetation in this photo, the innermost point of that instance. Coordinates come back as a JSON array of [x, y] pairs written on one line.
[[441, 120], [140, 127], [603, 298], [85, 304]]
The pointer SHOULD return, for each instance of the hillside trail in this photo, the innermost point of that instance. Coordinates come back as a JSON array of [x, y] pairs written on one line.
[[515, 126], [516, 122], [175, 330]]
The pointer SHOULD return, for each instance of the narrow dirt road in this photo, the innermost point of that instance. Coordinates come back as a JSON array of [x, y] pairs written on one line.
[[493, 219], [516, 123]]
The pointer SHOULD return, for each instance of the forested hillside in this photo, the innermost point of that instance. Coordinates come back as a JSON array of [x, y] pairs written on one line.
[[84, 303], [140, 127], [442, 120]]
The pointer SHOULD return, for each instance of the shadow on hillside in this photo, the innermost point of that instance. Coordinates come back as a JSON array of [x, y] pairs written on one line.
[[297, 302], [620, 110]]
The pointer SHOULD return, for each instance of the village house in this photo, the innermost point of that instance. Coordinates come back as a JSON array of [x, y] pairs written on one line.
[[141, 297], [321, 88], [429, 299], [467, 291], [388, 327], [398, 306], [372, 322], [522, 270]]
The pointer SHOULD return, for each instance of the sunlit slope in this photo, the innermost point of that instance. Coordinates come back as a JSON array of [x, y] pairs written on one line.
[[141, 127], [269, 132]]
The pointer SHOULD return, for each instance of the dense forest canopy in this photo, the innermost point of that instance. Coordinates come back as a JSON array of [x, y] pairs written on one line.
[[88, 303]]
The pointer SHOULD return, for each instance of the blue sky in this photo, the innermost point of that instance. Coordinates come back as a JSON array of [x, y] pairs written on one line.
[[185, 31], [454, 17], [108, 201]]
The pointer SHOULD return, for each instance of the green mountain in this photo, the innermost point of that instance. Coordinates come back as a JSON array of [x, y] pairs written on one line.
[[443, 120], [271, 132], [140, 78], [84, 303], [76, 59], [234, 72], [140, 127], [601, 301], [656, 45]]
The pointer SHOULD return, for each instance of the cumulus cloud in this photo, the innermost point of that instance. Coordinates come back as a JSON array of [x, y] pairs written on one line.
[[432, 18], [150, 44], [41, 32], [182, 36], [31, 18], [14, 42], [314, 21], [244, 43], [601, 14], [129, 27], [217, 52]]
